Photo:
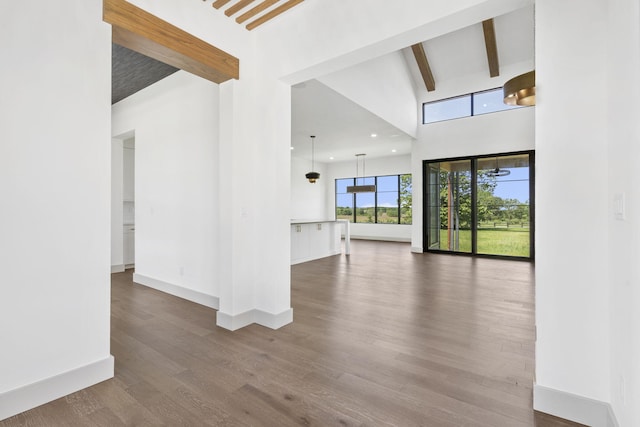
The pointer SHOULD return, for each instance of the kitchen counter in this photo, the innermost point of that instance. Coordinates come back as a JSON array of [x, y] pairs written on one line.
[[313, 239]]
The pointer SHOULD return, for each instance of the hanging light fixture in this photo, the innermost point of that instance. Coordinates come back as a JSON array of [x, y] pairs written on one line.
[[312, 176], [360, 188], [498, 172], [520, 90]]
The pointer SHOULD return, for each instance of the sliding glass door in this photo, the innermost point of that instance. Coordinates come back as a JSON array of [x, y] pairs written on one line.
[[480, 205]]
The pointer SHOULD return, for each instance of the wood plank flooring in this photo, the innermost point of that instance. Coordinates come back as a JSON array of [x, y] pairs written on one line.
[[381, 338]]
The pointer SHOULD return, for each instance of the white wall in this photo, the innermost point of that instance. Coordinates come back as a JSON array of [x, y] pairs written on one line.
[[624, 235], [383, 86], [308, 201], [176, 180], [392, 165], [55, 185], [501, 132], [572, 273]]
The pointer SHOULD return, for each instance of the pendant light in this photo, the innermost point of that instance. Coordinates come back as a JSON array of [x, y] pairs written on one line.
[[520, 90], [360, 188], [498, 172], [312, 176]]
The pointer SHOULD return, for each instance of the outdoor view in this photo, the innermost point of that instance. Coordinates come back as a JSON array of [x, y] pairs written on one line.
[[389, 204], [501, 210]]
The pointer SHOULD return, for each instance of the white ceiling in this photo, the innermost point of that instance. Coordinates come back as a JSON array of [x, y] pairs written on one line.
[[462, 53], [343, 128]]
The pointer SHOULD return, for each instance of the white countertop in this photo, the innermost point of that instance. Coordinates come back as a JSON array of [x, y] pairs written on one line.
[[310, 221]]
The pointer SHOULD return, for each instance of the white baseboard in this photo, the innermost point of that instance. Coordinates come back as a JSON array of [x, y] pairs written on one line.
[[273, 321], [269, 320], [381, 238], [178, 291], [416, 250], [35, 394], [573, 407], [118, 268]]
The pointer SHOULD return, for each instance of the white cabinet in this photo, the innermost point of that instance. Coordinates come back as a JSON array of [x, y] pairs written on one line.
[[299, 243], [314, 240], [129, 245]]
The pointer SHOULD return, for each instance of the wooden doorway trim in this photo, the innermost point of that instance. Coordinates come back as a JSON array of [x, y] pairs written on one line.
[[142, 32]]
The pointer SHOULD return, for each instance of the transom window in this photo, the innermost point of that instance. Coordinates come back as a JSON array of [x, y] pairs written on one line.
[[471, 104]]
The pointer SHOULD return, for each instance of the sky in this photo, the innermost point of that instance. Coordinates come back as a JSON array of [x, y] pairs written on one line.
[[514, 185]]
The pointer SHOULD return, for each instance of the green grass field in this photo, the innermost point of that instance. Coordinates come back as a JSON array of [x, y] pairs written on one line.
[[493, 241]]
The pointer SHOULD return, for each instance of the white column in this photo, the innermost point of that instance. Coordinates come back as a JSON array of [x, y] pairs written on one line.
[[572, 211], [254, 202]]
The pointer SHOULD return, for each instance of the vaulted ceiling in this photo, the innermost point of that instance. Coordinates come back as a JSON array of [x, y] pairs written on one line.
[[455, 60]]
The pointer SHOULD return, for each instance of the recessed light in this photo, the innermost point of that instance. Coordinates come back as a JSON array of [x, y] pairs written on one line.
[[394, 150], [292, 148], [331, 158], [373, 135]]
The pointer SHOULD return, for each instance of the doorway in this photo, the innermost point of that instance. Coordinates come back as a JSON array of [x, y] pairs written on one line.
[[480, 205], [128, 202]]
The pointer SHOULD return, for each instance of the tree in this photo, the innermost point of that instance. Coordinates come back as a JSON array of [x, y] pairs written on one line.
[[455, 194], [405, 199]]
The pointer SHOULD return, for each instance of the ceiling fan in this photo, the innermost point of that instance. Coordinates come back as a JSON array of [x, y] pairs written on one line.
[[497, 171]]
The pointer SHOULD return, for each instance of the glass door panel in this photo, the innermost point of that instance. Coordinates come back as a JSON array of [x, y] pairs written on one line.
[[503, 206], [433, 205], [449, 209]]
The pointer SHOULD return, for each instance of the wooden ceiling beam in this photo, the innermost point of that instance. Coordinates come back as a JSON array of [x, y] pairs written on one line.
[[423, 65], [142, 32], [272, 14], [219, 3], [237, 7], [254, 11], [491, 46]]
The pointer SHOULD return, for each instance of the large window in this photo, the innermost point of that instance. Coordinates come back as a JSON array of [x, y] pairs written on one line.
[[472, 104], [480, 205], [389, 204]]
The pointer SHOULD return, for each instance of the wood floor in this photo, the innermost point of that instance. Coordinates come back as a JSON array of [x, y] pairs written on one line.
[[381, 338]]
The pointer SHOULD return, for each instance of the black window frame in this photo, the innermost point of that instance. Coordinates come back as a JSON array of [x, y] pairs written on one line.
[[472, 112], [354, 202]]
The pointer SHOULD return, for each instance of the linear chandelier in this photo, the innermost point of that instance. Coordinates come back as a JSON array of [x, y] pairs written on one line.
[[360, 188]]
